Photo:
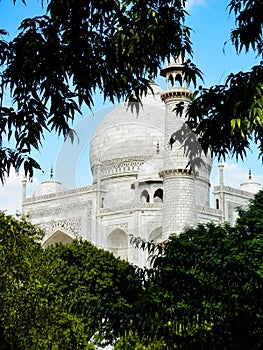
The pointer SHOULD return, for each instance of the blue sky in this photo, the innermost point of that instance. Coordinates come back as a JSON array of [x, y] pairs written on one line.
[[211, 26]]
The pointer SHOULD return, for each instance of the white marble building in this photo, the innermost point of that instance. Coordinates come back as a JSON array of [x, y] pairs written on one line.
[[146, 182]]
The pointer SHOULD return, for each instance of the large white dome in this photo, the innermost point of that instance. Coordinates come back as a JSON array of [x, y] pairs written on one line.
[[130, 132]]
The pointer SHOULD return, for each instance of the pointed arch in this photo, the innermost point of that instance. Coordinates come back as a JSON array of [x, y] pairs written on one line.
[[170, 81], [158, 195], [117, 243], [58, 236], [145, 197], [178, 79]]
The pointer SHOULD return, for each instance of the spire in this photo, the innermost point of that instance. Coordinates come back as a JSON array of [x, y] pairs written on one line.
[[221, 174], [150, 76], [51, 172], [158, 148], [23, 190], [250, 185]]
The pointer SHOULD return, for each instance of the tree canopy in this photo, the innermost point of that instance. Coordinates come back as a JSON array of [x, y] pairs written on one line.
[[227, 118], [59, 60], [205, 290], [64, 297]]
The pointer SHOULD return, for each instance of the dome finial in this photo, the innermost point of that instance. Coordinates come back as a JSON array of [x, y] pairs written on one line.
[[250, 185], [51, 172], [150, 75]]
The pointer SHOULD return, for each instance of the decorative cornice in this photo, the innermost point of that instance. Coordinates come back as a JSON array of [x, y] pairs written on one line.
[[176, 93], [61, 209], [131, 207], [75, 191], [208, 210], [119, 167], [233, 191], [177, 172]]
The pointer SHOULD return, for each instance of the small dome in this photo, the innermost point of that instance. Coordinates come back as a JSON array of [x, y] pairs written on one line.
[[250, 185], [149, 171], [48, 187]]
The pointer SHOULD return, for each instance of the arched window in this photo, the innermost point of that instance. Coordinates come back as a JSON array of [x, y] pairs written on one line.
[[217, 203], [145, 198], [117, 243], [179, 80], [170, 81], [158, 196]]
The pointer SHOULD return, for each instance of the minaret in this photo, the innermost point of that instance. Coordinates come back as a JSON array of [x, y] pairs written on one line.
[[220, 202], [221, 174], [178, 176], [23, 193]]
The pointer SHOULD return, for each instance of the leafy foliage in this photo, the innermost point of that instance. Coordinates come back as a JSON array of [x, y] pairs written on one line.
[[205, 291], [250, 221], [60, 59], [248, 33], [18, 256], [228, 117], [100, 290], [133, 341], [64, 297]]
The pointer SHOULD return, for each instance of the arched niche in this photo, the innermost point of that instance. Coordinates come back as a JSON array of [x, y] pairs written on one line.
[[170, 81], [178, 81], [158, 195], [117, 243], [145, 197], [57, 236], [156, 235]]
